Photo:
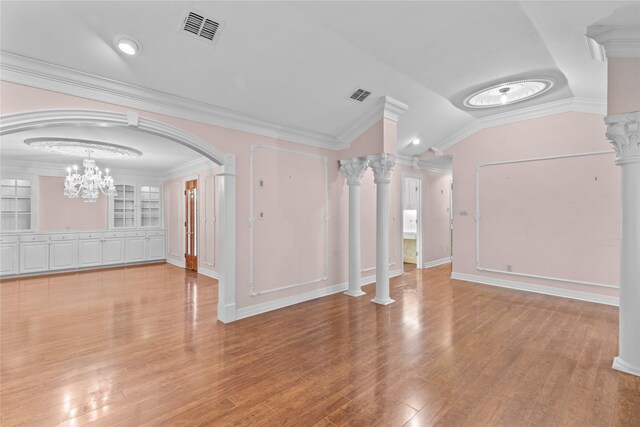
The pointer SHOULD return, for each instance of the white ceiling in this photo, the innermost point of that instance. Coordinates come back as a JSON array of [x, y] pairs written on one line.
[[296, 63], [159, 155]]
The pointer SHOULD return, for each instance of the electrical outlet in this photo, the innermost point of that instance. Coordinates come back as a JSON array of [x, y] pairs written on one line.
[[261, 215], [261, 183], [509, 267]]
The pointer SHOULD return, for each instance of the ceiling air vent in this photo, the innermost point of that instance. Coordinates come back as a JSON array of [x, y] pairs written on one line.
[[195, 23], [360, 95]]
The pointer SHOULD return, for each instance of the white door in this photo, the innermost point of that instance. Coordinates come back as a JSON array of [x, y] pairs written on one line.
[[64, 254], [90, 252], [34, 257], [113, 251], [9, 255], [156, 247], [136, 249]]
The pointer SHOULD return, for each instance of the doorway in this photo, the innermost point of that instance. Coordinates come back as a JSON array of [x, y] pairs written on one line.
[[412, 220], [191, 225]]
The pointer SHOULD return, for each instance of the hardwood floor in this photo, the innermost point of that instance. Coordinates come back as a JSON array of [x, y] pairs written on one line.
[[141, 345]]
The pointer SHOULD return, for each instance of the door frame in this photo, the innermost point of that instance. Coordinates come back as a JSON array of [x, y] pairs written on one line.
[[196, 219], [132, 120], [420, 227]]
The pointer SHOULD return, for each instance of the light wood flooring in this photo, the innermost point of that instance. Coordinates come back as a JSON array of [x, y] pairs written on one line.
[[141, 345]]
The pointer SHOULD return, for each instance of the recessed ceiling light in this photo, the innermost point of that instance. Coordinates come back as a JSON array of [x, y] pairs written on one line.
[[416, 141], [508, 93], [127, 45]]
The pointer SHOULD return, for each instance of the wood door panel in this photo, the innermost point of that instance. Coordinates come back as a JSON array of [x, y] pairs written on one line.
[[191, 225]]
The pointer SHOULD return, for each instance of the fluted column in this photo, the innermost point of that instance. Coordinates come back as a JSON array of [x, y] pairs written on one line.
[[623, 133], [382, 164], [353, 170]]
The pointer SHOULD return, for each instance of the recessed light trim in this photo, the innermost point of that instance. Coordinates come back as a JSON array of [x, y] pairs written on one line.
[[127, 45], [508, 93]]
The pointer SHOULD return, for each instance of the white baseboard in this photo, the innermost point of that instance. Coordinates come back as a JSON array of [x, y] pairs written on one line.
[[177, 263], [622, 366], [436, 262], [208, 272], [546, 290], [371, 279], [307, 296], [285, 302]]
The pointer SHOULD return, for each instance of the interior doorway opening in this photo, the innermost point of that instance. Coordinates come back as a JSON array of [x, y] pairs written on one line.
[[412, 244]]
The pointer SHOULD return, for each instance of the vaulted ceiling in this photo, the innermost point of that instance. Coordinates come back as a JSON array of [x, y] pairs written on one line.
[[296, 63]]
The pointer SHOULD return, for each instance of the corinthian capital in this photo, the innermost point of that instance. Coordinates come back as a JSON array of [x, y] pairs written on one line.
[[353, 169], [623, 132], [382, 164]]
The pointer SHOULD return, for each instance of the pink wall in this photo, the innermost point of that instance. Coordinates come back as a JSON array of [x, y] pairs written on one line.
[[58, 212], [623, 85], [590, 216]]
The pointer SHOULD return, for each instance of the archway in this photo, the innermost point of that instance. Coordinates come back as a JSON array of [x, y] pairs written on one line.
[[13, 123]]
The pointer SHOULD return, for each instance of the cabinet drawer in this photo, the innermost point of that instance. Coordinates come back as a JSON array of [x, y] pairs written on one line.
[[89, 236], [9, 239], [135, 234], [35, 238], [62, 237], [155, 233], [112, 235]]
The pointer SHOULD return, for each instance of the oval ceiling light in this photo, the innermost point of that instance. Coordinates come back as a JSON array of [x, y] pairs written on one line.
[[415, 141], [127, 44], [508, 93]]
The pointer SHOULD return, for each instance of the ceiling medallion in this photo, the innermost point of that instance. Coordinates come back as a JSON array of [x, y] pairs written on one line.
[[508, 93], [82, 148]]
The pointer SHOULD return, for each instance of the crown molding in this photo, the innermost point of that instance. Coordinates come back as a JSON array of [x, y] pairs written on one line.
[[416, 163], [393, 108], [44, 75], [192, 166], [579, 105], [613, 41]]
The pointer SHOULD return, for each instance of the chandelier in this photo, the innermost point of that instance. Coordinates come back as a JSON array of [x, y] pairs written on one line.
[[90, 183]]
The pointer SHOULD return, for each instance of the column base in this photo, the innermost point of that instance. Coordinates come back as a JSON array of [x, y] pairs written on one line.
[[622, 366], [383, 301], [354, 294]]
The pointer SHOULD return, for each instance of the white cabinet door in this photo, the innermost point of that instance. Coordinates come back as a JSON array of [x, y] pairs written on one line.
[[63, 255], [136, 248], [34, 257], [156, 247], [9, 255], [90, 252], [112, 251]]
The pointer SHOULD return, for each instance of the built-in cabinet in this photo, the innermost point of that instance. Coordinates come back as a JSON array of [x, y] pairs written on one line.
[[136, 206], [9, 255], [35, 253]]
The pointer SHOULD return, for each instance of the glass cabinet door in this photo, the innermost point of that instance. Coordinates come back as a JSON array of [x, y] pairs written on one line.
[[16, 204], [149, 206], [124, 206]]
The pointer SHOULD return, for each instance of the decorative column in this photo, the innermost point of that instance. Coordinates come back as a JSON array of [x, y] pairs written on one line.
[[619, 45], [623, 133], [353, 170], [382, 164]]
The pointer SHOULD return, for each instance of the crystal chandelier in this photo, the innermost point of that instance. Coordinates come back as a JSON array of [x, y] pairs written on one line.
[[88, 184]]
